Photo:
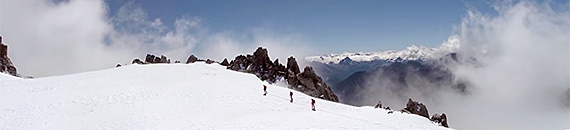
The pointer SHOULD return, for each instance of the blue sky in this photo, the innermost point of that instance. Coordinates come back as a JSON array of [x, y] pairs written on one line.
[[335, 26]]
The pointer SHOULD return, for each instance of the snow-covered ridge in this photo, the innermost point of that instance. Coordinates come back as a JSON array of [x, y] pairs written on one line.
[[411, 53], [179, 96]]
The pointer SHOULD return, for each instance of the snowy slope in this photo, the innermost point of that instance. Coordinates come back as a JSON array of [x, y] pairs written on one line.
[[410, 53], [4, 76], [177, 96]]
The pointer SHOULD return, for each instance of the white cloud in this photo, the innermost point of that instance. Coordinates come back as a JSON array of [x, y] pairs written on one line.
[[47, 38], [526, 53]]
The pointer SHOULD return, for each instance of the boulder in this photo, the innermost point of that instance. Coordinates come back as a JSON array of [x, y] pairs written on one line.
[[149, 58], [118, 65], [225, 62], [440, 119], [163, 59], [191, 59], [137, 61], [417, 108]]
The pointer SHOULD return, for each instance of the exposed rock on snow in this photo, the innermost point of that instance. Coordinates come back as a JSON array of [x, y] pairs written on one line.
[[191, 59], [440, 119], [225, 62], [150, 59], [6, 65], [137, 61], [260, 64], [417, 108]]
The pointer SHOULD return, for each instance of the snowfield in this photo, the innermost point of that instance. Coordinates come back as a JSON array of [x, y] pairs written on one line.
[[178, 96]]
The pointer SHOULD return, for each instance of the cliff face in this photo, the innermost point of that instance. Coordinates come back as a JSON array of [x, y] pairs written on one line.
[[6, 65]]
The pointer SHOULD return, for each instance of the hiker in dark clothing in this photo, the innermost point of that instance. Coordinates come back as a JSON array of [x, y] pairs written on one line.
[[313, 104], [291, 95], [264, 90]]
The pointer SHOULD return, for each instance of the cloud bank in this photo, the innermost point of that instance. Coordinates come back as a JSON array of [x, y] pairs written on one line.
[[47, 38], [525, 51]]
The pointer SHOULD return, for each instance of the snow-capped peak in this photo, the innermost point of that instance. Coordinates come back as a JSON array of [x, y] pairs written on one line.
[[410, 53]]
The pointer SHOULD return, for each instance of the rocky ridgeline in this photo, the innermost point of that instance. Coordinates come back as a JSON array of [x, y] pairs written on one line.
[[260, 64], [6, 65]]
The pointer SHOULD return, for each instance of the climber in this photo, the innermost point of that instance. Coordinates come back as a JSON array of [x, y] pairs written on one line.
[[264, 90], [291, 95], [313, 104]]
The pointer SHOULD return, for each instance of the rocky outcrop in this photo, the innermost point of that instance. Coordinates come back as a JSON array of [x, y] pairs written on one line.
[[414, 107], [137, 61], [152, 59], [6, 65], [260, 64], [225, 62], [440, 119], [191, 59], [310, 83], [417, 108], [208, 61], [292, 65]]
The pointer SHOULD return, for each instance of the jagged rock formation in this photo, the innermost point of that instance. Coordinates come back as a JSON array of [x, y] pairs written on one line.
[[225, 62], [151, 59], [6, 65], [440, 119], [260, 64], [292, 65], [417, 108], [155, 59], [191, 59], [311, 84]]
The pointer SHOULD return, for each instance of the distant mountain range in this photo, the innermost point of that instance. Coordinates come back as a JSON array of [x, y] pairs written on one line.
[[410, 53], [355, 77]]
